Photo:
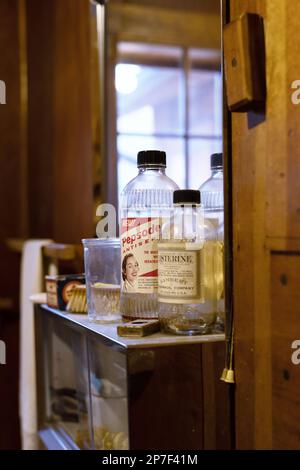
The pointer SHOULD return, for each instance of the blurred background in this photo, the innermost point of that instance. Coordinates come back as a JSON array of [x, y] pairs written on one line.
[[88, 85]]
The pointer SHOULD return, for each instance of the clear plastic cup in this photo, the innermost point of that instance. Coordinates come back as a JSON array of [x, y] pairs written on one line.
[[102, 261]]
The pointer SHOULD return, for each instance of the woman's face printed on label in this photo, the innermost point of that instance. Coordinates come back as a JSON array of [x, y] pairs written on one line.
[[132, 269]]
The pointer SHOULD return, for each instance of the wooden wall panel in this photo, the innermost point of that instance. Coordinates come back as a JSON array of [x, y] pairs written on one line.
[[9, 393], [265, 203], [73, 140], [11, 140], [292, 46], [280, 134], [284, 154], [218, 419], [40, 46], [60, 120], [161, 387], [251, 312], [213, 6], [144, 23], [46, 177], [12, 214], [285, 308], [277, 132], [204, 402]]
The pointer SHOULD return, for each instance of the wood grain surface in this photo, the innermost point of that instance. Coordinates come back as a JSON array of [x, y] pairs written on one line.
[[266, 166]]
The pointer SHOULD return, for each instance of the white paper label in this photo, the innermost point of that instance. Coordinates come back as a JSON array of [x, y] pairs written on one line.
[[139, 254], [179, 276]]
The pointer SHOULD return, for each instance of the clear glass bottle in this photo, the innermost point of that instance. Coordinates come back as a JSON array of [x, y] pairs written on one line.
[[186, 278], [212, 192], [145, 202], [212, 197]]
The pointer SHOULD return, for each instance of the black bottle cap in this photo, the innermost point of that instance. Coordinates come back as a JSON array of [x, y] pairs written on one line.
[[216, 161], [187, 196], [152, 158]]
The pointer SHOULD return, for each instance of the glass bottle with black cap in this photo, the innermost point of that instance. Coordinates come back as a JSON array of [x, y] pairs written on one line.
[[144, 203], [212, 196], [186, 280], [212, 191]]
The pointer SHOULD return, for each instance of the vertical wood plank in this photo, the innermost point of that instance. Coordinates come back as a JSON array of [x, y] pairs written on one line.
[[276, 147], [60, 119], [166, 382], [292, 129], [285, 307], [41, 125], [217, 399], [251, 268], [266, 173], [12, 184], [111, 112], [24, 209], [73, 153], [12, 222]]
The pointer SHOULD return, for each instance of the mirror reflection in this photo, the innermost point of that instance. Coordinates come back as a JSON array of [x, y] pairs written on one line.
[[163, 88]]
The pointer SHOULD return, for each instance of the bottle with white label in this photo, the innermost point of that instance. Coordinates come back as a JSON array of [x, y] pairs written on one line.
[[186, 279], [145, 202]]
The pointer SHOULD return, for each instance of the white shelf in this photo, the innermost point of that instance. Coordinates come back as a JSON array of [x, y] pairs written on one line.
[[156, 340]]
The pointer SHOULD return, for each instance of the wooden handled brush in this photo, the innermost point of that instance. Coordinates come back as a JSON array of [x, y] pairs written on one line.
[[78, 300]]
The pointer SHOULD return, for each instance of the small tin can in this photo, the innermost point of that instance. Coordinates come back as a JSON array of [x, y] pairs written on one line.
[[139, 328], [59, 289]]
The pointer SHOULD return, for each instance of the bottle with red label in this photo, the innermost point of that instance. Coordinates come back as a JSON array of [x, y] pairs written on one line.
[[145, 203]]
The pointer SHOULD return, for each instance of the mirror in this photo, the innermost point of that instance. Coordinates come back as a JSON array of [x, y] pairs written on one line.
[[158, 64]]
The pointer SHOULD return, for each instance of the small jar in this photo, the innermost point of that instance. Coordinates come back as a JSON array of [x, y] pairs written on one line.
[[102, 270]]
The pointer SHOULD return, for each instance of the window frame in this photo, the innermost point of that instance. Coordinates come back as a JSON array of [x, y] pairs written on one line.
[[210, 62]]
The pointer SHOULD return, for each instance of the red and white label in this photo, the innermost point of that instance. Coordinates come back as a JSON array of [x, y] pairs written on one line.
[[139, 237]]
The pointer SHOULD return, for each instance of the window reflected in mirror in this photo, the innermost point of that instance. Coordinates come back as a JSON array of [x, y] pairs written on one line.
[[169, 98]]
